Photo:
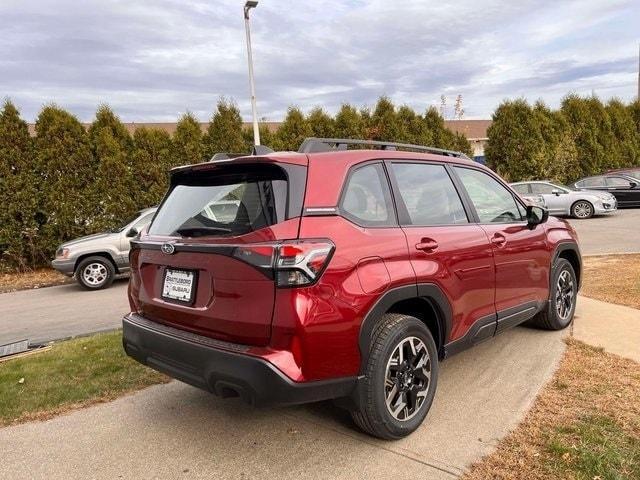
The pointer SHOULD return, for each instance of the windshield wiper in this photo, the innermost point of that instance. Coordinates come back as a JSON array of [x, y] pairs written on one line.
[[200, 231]]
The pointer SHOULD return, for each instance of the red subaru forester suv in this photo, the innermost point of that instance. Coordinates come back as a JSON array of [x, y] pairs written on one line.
[[337, 273]]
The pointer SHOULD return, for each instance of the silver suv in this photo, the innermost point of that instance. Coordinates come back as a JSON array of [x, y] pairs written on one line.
[[562, 200], [95, 260]]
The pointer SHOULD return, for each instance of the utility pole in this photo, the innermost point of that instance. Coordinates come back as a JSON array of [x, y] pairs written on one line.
[[639, 72], [256, 131]]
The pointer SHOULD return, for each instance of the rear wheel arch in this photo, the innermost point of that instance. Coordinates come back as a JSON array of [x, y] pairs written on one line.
[[426, 302]]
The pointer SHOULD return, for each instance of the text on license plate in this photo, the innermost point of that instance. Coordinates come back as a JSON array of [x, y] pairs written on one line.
[[179, 285]]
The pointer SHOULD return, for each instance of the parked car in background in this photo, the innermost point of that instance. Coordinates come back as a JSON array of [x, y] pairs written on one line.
[[95, 260], [341, 274], [563, 200], [625, 188]]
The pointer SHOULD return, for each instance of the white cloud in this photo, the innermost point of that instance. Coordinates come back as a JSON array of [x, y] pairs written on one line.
[[152, 60]]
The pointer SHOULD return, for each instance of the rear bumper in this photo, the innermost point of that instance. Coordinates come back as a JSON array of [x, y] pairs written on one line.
[[221, 368]]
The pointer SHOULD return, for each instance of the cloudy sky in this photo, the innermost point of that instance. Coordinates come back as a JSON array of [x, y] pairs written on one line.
[[153, 60]]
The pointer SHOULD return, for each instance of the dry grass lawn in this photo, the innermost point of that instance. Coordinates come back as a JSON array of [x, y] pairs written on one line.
[[585, 424], [612, 278], [41, 277], [71, 375]]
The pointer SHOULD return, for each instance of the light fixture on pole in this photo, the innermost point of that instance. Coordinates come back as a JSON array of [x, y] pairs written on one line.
[[256, 131]]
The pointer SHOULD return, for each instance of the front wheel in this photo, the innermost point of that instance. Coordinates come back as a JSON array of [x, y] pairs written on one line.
[[561, 307], [582, 209], [94, 273], [400, 380]]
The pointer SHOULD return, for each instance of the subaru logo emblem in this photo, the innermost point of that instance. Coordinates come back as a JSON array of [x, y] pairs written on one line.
[[167, 248]]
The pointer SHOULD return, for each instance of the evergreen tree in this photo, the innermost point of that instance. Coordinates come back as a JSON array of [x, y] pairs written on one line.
[[266, 136], [348, 123], [384, 124], [224, 133], [114, 186], [292, 131], [634, 110], [320, 123], [626, 141], [63, 156], [19, 184], [411, 128], [152, 160], [591, 132], [188, 141], [515, 148], [559, 155]]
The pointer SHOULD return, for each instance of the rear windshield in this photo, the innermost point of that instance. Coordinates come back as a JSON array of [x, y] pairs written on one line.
[[230, 202]]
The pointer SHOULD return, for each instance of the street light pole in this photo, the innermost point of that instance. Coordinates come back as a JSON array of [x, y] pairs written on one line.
[[256, 131]]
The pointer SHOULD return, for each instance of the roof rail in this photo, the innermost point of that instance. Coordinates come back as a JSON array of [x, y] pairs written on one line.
[[317, 145]]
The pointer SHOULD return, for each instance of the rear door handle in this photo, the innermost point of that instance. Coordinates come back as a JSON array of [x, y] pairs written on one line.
[[498, 240], [427, 245]]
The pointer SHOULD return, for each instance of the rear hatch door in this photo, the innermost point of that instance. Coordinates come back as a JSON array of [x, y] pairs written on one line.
[[205, 263]]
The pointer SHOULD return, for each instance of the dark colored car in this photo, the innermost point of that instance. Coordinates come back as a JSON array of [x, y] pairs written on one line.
[[625, 188], [344, 274]]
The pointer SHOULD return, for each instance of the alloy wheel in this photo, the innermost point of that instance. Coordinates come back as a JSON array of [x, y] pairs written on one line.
[[407, 378], [95, 274], [565, 295], [582, 210]]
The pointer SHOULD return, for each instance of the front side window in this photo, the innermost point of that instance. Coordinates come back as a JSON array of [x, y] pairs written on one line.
[[593, 182], [522, 188], [492, 201], [223, 204], [367, 199], [429, 194]]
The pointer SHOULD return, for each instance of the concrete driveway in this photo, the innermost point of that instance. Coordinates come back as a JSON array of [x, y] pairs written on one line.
[[176, 431], [61, 312], [616, 233]]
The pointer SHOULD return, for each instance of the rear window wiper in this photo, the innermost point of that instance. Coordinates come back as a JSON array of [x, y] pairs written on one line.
[[200, 231]]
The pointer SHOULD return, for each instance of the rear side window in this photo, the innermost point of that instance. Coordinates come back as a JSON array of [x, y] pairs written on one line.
[[428, 194], [220, 203], [492, 201], [618, 182], [366, 199]]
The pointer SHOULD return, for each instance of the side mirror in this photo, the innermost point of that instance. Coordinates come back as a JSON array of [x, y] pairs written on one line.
[[132, 232], [633, 184], [536, 215], [556, 192]]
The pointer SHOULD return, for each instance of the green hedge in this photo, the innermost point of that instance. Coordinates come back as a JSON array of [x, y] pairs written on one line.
[[69, 181], [583, 137]]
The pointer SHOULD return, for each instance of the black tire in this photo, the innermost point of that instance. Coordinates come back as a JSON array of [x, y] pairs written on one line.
[[550, 318], [374, 417], [582, 209], [95, 273]]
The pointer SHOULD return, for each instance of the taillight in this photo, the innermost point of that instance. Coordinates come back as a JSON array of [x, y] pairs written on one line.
[[302, 262], [294, 263]]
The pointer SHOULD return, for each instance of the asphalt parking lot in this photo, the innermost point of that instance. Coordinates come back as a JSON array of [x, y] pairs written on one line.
[[616, 233]]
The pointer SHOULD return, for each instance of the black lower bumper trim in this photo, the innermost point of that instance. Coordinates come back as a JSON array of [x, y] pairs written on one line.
[[219, 371]]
